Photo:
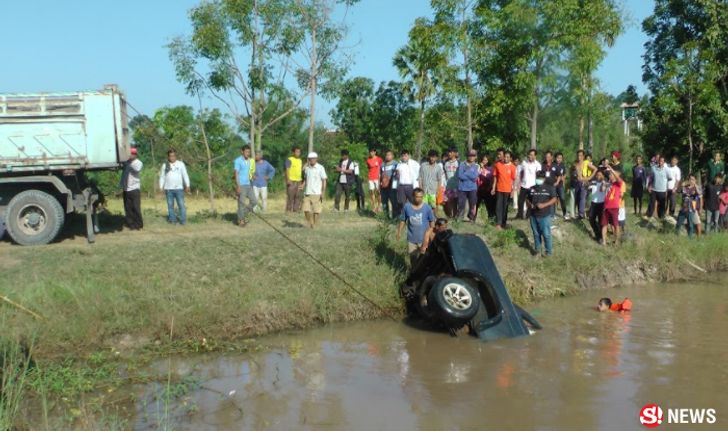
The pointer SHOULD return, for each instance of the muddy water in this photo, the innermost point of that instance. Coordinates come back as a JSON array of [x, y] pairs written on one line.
[[585, 371]]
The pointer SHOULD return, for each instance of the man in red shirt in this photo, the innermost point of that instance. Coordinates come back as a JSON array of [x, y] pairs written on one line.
[[611, 205], [504, 174], [374, 163]]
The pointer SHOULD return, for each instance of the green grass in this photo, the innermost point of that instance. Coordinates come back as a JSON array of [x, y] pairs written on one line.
[[110, 307]]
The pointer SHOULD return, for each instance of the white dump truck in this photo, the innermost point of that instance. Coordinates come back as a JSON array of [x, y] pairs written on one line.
[[48, 141]]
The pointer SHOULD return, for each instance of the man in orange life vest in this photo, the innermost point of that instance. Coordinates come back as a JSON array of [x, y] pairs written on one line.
[[605, 304]]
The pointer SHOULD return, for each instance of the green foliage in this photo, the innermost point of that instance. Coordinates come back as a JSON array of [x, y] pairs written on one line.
[[685, 68]]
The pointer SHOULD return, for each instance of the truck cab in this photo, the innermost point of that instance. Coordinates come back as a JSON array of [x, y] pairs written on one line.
[[48, 142]]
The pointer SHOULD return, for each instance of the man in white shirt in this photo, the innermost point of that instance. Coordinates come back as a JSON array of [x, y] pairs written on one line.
[[529, 168], [130, 185], [174, 181], [673, 185], [314, 187], [407, 173]]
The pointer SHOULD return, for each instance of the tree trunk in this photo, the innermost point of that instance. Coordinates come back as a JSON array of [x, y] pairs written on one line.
[[591, 133], [690, 133], [420, 132], [469, 112], [210, 187], [534, 123], [581, 131], [313, 84]]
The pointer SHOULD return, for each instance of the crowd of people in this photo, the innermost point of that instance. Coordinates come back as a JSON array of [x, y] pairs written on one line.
[[418, 192]]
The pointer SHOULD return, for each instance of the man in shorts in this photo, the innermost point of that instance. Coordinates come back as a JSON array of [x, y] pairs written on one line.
[[314, 187], [612, 201], [374, 164]]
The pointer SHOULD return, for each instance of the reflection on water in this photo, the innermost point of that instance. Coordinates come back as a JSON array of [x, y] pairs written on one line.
[[586, 370]]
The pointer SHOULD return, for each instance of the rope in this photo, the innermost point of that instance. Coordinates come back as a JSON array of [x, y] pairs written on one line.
[[329, 270], [306, 252]]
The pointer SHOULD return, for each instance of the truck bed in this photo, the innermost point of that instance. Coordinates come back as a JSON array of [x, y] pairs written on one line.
[[45, 132]]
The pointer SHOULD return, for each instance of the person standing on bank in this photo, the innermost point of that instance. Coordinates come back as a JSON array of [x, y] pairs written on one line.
[[407, 172], [131, 185], [175, 182], [541, 199], [529, 168], [264, 172], [346, 180], [468, 173], [639, 178], [314, 187], [374, 166], [294, 170], [432, 177], [388, 185], [504, 174], [673, 186], [244, 172]]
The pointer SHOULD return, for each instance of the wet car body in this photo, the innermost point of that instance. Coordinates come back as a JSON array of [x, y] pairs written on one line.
[[456, 283]]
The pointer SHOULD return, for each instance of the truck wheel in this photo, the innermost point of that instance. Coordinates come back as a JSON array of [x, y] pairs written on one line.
[[33, 217], [456, 301]]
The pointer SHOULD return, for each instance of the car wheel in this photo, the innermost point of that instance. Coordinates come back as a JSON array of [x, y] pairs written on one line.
[[455, 299], [33, 217]]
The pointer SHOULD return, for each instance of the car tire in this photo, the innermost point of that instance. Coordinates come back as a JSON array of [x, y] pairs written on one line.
[[455, 300], [33, 217]]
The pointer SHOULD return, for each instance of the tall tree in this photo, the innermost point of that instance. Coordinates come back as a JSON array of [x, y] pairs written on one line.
[[457, 27], [526, 37], [420, 62], [595, 25], [686, 69], [239, 53], [325, 61], [353, 113]]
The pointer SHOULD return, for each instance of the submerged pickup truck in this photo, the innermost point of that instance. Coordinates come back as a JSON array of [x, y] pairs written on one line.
[[48, 142]]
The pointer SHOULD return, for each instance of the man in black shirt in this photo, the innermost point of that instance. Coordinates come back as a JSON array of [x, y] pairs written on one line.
[[712, 204], [541, 198]]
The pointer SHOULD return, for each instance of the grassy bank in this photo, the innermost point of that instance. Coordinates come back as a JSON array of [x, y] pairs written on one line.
[[134, 296]]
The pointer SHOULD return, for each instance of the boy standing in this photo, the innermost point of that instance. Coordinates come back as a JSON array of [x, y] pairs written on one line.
[[432, 176], [612, 200], [374, 164]]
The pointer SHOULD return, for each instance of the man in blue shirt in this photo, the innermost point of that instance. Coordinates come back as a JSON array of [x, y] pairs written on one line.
[[419, 218], [244, 173], [467, 174], [264, 172], [658, 188]]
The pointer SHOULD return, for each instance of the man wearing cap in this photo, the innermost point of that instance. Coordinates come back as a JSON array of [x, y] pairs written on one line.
[[244, 172], [314, 187], [468, 173], [130, 185]]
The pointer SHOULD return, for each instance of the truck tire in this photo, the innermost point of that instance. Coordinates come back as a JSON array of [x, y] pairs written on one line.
[[455, 299], [33, 217]]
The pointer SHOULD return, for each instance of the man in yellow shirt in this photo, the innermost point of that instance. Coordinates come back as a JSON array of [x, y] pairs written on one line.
[[294, 178]]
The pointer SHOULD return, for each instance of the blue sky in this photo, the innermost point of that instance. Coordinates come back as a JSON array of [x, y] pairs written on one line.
[[52, 45]]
